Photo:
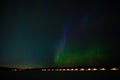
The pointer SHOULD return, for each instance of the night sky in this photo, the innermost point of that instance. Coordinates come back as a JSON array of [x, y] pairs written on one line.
[[46, 33]]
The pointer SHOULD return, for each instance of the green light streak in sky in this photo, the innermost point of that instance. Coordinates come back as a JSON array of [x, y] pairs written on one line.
[[76, 57]]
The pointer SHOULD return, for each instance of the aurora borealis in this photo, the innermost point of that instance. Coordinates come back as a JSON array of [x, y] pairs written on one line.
[[83, 57], [45, 33]]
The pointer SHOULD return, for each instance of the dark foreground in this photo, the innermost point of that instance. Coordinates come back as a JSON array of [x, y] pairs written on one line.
[[38, 75]]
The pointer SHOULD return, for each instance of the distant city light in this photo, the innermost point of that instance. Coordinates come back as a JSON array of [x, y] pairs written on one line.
[[76, 69], [43, 69], [68, 69], [56, 69], [82, 69], [64, 70], [88, 69], [14, 69], [72, 69], [114, 69], [60, 69], [103, 69], [94, 69], [48, 70]]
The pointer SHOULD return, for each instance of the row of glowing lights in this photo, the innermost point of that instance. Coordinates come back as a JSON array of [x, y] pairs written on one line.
[[82, 69], [71, 69]]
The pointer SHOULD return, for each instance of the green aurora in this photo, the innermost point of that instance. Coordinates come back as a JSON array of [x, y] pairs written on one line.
[[92, 55]]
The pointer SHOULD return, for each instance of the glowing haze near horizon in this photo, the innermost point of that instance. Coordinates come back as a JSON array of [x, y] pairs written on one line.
[[49, 34]]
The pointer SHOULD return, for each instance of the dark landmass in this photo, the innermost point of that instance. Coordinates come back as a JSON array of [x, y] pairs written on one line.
[[38, 75]]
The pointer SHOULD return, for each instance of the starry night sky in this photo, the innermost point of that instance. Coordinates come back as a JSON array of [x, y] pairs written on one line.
[[45, 33]]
